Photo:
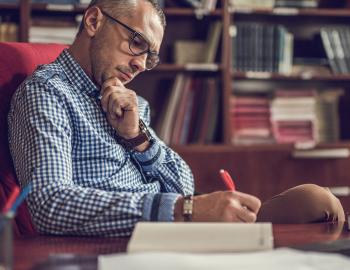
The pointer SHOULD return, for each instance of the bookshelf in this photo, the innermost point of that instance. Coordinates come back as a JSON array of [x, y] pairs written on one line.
[[10, 18], [280, 77], [9, 6], [255, 166], [278, 167], [294, 12]]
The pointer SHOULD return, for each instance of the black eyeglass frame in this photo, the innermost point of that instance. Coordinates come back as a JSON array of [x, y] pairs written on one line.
[[134, 34]]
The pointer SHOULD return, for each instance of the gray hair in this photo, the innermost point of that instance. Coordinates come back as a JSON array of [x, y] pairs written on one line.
[[124, 8]]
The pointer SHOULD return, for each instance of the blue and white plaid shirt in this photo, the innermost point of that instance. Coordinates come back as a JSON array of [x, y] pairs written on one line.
[[84, 182]]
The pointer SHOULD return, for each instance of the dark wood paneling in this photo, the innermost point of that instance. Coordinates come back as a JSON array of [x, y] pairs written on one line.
[[263, 172]]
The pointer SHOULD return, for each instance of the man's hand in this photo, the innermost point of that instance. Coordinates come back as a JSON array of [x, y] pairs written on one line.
[[224, 206], [121, 107]]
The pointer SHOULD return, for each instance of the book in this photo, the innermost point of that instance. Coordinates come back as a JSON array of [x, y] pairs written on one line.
[[189, 51], [250, 120], [53, 34], [194, 114], [212, 42], [8, 31], [339, 50], [200, 237], [297, 3], [261, 47], [251, 3], [294, 115], [330, 50], [197, 51], [166, 124], [208, 109], [182, 111], [328, 115], [322, 153]]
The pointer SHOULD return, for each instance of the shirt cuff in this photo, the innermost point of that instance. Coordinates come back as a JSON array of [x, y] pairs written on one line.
[[150, 158], [159, 207]]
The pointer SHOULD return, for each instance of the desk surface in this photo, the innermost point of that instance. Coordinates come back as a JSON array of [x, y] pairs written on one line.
[[29, 251]]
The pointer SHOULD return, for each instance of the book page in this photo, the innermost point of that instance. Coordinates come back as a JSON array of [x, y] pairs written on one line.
[[286, 259]]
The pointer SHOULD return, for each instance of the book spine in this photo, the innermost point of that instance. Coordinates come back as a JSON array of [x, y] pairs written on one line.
[[339, 51], [329, 50]]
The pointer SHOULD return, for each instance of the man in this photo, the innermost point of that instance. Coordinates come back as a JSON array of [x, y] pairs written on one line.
[[81, 137]]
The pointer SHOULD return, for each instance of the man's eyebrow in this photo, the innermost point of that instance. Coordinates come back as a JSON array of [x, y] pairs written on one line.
[[151, 43]]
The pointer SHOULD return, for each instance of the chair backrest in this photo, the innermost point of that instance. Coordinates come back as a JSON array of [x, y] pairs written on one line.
[[17, 61]]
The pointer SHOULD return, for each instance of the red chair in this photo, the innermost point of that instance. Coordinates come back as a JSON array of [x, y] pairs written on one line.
[[17, 61]]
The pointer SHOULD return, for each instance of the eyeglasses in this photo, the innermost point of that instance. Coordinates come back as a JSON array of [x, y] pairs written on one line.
[[138, 45]]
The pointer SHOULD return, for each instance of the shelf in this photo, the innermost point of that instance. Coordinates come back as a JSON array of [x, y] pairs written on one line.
[[189, 68], [312, 12], [79, 8], [9, 6], [188, 12], [220, 148], [280, 77]]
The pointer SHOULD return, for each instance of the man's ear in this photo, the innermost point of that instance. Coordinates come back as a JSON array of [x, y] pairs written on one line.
[[93, 20]]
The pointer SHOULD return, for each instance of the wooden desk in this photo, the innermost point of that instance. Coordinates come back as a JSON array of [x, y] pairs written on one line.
[[29, 251]]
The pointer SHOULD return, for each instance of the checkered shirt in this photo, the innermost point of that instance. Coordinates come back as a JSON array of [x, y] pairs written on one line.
[[84, 182]]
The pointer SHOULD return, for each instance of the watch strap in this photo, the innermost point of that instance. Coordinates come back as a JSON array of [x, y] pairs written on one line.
[[144, 136]]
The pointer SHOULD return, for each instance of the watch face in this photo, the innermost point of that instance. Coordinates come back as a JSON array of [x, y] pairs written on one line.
[[144, 129]]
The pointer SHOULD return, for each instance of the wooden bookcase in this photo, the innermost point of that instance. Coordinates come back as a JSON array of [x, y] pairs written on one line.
[[262, 170]]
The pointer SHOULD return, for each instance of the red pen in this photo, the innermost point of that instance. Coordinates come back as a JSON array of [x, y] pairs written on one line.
[[226, 177], [11, 199]]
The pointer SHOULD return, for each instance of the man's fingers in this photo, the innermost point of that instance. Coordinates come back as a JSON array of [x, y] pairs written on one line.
[[125, 97], [253, 203], [105, 98], [246, 215], [110, 85], [240, 212], [114, 81]]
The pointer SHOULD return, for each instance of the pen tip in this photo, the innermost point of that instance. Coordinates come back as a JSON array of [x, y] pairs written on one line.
[[222, 170]]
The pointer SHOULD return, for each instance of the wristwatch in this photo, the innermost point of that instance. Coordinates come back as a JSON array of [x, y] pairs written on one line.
[[144, 136], [187, 208]]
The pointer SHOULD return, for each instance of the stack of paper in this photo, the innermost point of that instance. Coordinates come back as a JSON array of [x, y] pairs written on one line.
[[201, 237]]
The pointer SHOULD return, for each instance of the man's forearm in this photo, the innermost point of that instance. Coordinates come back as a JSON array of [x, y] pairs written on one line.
[[161, 162], [75, 210]]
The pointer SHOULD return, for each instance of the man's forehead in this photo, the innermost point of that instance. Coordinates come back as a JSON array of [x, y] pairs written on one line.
[[147, 22], [154, 35]]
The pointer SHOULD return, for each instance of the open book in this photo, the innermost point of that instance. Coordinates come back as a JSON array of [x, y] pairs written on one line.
[[201, 237]]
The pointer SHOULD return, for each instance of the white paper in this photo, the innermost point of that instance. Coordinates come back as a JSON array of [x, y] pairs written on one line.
[[286, 259], [201, 237]]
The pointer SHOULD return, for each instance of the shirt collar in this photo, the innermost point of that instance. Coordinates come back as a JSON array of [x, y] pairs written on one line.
[[77, 75]]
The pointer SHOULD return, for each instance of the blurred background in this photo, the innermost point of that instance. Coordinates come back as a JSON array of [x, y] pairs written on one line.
[[259, 88]]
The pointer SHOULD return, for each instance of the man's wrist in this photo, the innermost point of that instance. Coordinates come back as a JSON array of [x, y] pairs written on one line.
[[130, 136], [139, 142]]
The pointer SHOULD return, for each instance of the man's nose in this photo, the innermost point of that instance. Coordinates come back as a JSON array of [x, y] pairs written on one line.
[[138, 63]]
